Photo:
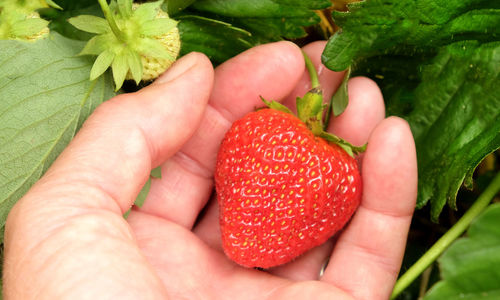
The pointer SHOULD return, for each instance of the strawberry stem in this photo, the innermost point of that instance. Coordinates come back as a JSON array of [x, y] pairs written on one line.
[[111, 20], [312, 71], [310, 110], [450, 236]]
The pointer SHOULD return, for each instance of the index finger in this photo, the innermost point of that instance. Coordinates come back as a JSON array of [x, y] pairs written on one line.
[[368, 255]]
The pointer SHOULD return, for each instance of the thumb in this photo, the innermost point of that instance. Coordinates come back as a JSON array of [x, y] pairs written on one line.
[[71, 219], [130, 134]]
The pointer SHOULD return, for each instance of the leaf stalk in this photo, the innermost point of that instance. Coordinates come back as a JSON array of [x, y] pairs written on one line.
[[312, 71], [111, 20], [449, 237]]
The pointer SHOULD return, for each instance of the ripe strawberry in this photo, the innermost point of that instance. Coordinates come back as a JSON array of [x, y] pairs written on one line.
[[281, 189]]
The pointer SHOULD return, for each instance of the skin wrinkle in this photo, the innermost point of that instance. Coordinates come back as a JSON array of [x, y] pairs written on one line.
[[57, 254], [201, 272], [67, 212], [373, 256], [192, 166], [218, 125], [389, 213], [128, 172], [205, 171]]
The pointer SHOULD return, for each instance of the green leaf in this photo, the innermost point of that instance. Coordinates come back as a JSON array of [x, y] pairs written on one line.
[[341, 97], [153, 48], [375, 25], [437, 63], [266, 19], [224, 28], [72, 5], [101, 64], [250, 8], [95, 45], [274, 29], [125, 7], [53, 4], [455, 118], [156, 173], [314, 4], [276, 106], [470, 268], [147, 10], [348, 147], [90, 24], [143, 194], [120, 69], [135, 64], [218, 40], [173, 7], [158, 27], [59, 19], [46, 96]]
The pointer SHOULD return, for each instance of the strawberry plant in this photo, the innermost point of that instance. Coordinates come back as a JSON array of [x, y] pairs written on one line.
[[437, 63]]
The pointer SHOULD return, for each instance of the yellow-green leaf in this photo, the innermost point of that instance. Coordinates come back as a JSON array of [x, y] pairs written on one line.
[[158, 27], [101, 64], [90, 24], [28, 27], [120, 69], [135, 65]]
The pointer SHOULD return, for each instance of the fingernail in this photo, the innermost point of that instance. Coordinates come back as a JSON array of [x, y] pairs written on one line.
[[180, 67]]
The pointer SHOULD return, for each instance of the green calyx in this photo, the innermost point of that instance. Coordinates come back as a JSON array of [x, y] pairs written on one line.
[[126, 35], [311, 110]]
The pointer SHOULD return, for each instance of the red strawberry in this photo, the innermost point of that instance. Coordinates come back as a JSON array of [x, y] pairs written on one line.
[[281, 189]]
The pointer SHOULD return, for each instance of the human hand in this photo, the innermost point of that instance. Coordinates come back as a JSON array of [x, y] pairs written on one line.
[[66, 238]]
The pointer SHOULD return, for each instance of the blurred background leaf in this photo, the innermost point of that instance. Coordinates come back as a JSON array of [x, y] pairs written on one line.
[[470, 268], [438, 65]]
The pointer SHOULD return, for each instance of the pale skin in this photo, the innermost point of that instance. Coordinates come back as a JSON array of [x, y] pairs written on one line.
[[67, 239]]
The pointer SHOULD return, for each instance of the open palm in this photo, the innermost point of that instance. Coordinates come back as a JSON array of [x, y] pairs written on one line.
[[67, 239]]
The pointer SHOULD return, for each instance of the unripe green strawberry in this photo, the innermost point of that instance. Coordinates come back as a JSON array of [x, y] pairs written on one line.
[[40, 34], [281, 190], [153, 67], [138, 41]]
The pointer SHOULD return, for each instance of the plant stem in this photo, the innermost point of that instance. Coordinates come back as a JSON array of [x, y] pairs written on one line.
[[312, 71], [424, 283], [451, 235], [111, 20]]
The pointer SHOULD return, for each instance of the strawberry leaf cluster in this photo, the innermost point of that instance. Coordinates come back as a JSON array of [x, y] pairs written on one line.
[[437, 65]]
